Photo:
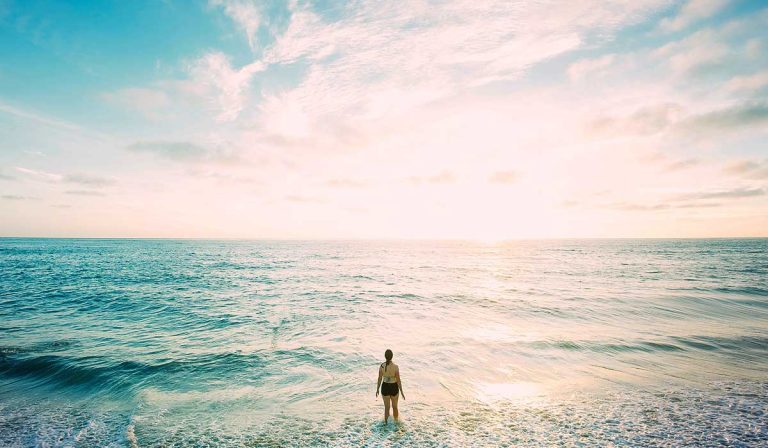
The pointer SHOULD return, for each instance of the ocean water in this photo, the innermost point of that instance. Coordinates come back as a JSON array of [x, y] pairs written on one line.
[[144, 343]]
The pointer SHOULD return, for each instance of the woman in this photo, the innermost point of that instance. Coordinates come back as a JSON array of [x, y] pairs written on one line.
[[390, 373]]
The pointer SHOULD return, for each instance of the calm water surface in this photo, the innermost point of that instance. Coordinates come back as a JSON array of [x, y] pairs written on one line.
[[256, 343]]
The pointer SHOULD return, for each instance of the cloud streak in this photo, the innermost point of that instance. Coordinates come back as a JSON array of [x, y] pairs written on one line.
[[214, 77], [738, 193], [650, 119], [346, 183], [89, 180], [76, 178], [749, 84], [150, 102], [84, 193], [692, 200], [40, 175], [691, 12], [681, 165], [170, 150], [504, 177], [732, 118], [14, 197], [584, 68], [304, 199], [749, 169], [245, 14]]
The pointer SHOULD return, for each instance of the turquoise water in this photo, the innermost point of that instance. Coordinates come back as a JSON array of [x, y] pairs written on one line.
[[257, 343]]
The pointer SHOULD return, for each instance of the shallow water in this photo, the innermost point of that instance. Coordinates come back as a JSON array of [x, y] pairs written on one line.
[[256, 343]]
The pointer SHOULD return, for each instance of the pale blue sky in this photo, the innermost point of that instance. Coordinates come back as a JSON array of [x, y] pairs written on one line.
[[427, 119]]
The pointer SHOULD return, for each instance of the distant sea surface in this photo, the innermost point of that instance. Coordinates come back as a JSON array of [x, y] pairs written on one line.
[[189, 343]]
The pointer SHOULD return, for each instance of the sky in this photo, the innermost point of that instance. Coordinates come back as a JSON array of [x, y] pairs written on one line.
[[464, 119]]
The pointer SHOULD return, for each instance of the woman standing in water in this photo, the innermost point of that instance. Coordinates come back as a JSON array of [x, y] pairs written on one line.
[[390, 373]]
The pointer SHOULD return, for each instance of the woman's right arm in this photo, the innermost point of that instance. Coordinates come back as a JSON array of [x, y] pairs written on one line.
[[378, 383]]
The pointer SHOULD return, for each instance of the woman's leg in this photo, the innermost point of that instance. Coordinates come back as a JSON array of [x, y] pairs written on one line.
[[395, 414], [386, 406]]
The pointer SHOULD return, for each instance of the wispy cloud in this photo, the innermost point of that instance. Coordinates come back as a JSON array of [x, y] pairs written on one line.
[[51, 121], [85, 193], [584, 68], [504, 177], [171, 150], [245, 14], [640, 207], [717, 51], [695, 54], [681, 165], [42, 119], [223, 177], [303, 199], [151, 102], [377, 63], [737, 193], [631, 206], [742, 167], [40, 175], [691, 12], [730, 118], [89, 180], [226, 86], [690, 200], [76, 178], [649, 119], [14, 197], [749, 84], [749, 169]]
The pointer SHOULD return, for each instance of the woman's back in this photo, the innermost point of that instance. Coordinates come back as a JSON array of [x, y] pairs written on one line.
[[389, 372]]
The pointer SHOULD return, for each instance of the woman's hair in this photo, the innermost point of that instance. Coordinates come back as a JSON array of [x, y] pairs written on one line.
[[388, 357]]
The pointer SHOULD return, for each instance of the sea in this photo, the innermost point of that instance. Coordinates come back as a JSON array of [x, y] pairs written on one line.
[[250, 343]]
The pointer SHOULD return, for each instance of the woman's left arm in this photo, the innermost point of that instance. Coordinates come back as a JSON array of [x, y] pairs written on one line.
[[399, 383]]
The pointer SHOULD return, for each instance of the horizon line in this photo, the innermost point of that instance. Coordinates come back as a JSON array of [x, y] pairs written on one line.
[[489, 240]]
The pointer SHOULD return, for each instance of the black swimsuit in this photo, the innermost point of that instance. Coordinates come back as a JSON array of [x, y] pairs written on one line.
[[389, 389]]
